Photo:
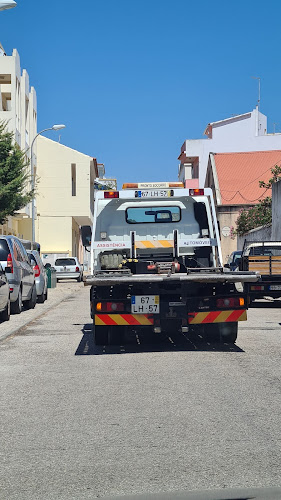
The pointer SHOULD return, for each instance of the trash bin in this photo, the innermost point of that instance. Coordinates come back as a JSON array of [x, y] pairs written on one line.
[[51, 277]]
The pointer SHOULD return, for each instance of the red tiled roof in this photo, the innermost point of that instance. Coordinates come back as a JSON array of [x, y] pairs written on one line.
[[239, 175]]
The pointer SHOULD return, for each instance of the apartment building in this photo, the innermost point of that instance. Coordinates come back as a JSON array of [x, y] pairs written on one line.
[[65, 199], [18, 108]]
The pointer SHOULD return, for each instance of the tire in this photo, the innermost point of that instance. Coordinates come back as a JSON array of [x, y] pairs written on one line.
[[228, 332], [31, 303], [221, 332], [41, 298], [16, 307], [79, 279], [101, 335], [5, 315], [107, 335], [46, 294]]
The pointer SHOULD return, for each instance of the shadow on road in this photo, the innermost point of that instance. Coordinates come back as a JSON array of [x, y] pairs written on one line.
[[151, 343]]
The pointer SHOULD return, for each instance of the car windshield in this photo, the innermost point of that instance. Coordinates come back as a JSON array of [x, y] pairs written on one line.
[[4, 250], [65, 262]]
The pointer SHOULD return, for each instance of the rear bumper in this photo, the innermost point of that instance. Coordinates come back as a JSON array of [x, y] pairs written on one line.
[[194, 318], [68, 275], [14, 290], [40, 285], [265, 289]]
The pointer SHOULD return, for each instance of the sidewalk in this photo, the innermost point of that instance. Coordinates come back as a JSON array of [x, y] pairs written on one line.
[[64, 289]]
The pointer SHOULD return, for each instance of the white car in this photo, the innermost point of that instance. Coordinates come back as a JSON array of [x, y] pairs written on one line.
[[68, 267]]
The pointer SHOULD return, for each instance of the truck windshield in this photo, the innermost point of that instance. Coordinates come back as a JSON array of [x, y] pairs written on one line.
[[145, 215]]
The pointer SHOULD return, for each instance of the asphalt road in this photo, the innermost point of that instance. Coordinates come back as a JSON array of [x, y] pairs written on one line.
[[81, 422]]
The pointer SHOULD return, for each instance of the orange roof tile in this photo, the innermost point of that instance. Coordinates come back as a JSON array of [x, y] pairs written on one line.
[[239, 175]]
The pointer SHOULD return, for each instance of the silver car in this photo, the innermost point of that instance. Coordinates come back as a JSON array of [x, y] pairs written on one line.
[[14, 260], [4, 296], [68, 267], [41, 279]]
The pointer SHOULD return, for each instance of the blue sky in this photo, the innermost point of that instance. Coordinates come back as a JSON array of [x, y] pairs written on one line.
[[133, 79]]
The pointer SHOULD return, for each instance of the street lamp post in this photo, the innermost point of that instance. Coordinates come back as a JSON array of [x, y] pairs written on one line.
[[8, 4], [54, 127]]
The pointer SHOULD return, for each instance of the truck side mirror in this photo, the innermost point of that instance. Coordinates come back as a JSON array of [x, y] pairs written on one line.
[[86, 235]]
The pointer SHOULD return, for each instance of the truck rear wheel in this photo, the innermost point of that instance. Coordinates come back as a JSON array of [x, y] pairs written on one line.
[[101, 335], [223, 332], [107, 335], [228, 332]]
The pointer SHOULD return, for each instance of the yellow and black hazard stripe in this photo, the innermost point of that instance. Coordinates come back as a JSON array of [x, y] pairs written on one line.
[[123, 319], [195, 318]]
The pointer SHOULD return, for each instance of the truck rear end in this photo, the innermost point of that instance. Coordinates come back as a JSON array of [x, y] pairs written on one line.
[[157, 265], [265, 259]]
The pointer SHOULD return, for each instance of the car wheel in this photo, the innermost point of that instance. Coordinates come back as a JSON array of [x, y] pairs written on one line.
[[79, 279], [41, 298], [5, 315], [46, 294], [31, 303], [16, 307]]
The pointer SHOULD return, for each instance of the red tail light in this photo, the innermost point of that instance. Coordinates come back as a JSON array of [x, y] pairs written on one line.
[[10, 262], [230, 302], [77, 269], [36, 271], [109, 307], [111, 194], [196, 192]]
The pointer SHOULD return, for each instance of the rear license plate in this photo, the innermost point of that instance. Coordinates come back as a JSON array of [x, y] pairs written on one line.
[[157, 193], [143, 304], [275, 287]]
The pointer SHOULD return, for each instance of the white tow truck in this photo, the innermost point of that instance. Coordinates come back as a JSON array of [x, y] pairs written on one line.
[[157, 265]]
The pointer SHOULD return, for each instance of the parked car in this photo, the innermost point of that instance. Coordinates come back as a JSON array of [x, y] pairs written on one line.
[[41, 280], [20, 274], [5, 304], [233, 260], [68, 267]]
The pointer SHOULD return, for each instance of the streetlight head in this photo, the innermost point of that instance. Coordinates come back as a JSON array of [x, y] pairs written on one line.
[[58, 127], [8, 4]]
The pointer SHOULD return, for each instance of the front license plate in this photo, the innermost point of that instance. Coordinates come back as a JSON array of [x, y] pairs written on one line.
[[157, 193], [275, 287], [143, 304]]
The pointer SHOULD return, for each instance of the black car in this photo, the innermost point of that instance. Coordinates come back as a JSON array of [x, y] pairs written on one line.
[[234, 260]]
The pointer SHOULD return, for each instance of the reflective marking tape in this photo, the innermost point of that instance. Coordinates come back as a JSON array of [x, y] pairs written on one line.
[[123, 319], [154, 244], [196, 318]]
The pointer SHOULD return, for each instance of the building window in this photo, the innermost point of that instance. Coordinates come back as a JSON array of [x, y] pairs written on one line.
[[73, 179]]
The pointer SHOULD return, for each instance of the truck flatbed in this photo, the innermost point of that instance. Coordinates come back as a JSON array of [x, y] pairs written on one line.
[[115, 278]]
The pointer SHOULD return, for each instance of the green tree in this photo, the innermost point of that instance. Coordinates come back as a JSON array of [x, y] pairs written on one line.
[[14, 176], [258, 215], [276, 176]]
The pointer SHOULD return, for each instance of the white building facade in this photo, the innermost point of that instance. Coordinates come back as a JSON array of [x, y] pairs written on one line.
[[18, 108], [240, 133]]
